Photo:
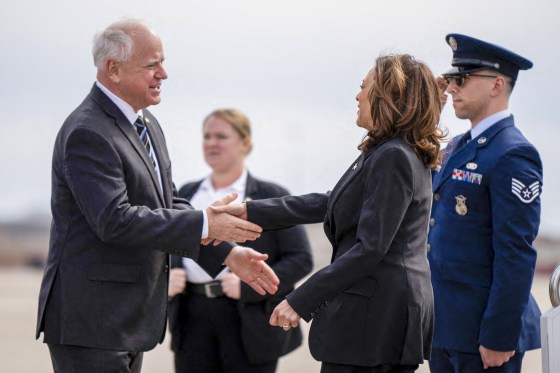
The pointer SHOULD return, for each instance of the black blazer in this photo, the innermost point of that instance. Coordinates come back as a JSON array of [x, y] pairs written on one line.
[[373, 304], [105, 281], [290, 257]]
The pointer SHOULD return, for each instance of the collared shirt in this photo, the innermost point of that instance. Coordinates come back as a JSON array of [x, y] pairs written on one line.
[[132, 115], [488, 122], [204, 197]]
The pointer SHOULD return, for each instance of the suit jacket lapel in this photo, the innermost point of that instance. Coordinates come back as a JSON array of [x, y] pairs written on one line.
[[344, 181], [251, 189], [348, 176], [128, 130]]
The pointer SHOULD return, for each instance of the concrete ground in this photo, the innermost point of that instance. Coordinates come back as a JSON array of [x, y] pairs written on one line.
[[21, 353]]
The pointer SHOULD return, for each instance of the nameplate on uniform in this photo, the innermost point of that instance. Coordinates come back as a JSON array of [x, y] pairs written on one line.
[[468, 176]]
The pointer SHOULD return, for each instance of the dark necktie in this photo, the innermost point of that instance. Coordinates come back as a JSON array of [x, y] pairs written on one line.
[[142, 131], [463, 140], [209, 259]]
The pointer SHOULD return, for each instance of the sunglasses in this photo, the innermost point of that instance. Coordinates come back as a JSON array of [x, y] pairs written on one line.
[[460, 79]]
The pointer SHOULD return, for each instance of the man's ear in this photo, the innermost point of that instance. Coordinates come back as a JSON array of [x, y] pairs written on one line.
[[114, 70], [499, 86]]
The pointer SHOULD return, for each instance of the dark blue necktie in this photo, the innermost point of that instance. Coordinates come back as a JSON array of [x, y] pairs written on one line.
[[463, 140], [142, 131]]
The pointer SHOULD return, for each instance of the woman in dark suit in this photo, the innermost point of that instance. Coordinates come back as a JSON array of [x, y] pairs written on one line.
[[219, 324], [372, 307]]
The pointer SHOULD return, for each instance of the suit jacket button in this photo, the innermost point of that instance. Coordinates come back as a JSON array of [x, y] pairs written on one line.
[[432, 222], [429, 247], [436, 196], [166, 268], [312, 314]]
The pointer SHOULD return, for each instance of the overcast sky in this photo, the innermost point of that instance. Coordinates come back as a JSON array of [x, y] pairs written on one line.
[[293, 67]]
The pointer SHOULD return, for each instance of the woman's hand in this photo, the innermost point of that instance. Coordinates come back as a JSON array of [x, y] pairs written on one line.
[[284, 316]]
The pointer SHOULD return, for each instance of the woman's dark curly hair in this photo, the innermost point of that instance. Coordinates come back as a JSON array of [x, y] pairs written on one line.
[[405, 102]]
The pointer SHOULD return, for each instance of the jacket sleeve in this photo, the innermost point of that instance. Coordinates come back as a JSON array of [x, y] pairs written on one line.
[[96, 175], [515, 187], [282, 212]]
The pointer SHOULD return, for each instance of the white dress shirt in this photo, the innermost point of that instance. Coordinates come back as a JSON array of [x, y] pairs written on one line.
[[204, 197]]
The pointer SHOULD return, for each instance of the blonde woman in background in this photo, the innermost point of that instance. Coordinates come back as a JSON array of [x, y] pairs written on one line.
[[219, 324]]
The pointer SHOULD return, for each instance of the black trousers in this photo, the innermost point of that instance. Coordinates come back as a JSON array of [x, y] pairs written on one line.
[[75, 359], [211, 341], [341, 368]]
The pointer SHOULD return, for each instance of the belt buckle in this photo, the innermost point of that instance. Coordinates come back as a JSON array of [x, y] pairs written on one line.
[[208, 289]]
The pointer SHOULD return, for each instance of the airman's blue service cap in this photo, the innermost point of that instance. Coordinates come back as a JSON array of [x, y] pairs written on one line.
[[470, 54]]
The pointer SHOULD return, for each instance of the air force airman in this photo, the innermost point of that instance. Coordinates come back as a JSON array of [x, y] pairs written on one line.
[[485, 217]]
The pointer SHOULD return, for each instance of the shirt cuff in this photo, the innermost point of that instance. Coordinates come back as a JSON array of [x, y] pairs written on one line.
[[204, 225]]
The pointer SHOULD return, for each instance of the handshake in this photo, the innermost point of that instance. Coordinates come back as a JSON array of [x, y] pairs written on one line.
[[227, 221]]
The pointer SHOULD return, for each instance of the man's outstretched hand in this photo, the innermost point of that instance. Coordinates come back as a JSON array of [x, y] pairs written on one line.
[[250, 267], [235, 209], [225, 226]]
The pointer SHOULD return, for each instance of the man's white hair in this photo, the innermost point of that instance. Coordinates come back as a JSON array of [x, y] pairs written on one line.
[[115, 42]]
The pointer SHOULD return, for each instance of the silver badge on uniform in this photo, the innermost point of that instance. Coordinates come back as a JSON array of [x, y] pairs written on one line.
[[472, 166], [526, 194], [461, 206]]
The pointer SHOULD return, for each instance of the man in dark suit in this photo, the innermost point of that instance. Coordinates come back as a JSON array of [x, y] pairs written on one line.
[[485, 216], [116, 218]]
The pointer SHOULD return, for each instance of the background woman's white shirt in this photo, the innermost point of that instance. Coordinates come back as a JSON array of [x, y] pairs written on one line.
[[204, 197]]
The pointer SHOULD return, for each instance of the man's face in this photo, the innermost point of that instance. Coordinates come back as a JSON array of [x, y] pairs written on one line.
[[472, 99], [140, 78]]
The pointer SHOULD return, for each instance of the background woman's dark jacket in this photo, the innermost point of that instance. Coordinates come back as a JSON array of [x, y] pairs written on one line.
[[290, 257]]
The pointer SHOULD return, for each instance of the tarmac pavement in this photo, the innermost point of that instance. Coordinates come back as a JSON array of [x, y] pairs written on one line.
[[21, 353]]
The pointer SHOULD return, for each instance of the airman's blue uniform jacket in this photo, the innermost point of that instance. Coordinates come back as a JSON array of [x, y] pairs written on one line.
[[485, 217]]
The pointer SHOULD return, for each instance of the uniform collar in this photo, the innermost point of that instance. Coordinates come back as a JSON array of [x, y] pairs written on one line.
[[488, 122]]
